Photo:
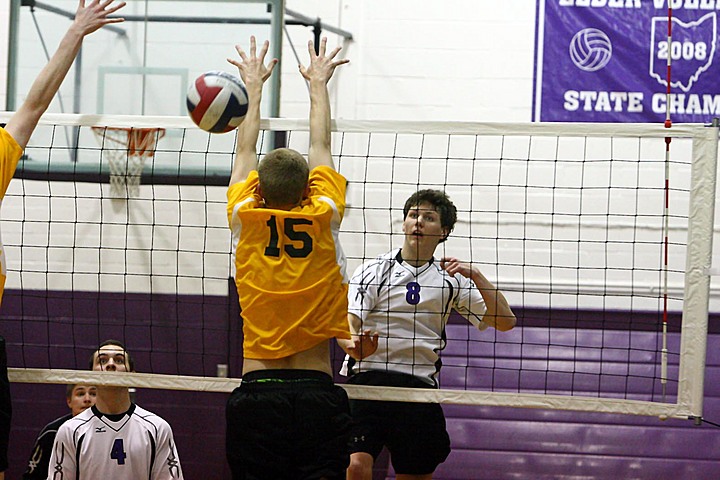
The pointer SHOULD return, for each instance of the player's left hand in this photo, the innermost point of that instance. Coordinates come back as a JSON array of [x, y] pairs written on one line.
[[252, 68], [94, 15], [362, 345], [322, 64], [452, 266]]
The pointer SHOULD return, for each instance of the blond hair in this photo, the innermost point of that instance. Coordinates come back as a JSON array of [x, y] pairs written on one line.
[[283, 176]]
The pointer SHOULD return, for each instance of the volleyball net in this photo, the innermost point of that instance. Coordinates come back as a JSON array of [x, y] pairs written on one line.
[[601, 243]]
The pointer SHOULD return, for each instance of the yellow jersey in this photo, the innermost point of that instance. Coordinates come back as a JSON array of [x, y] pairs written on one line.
[[289, 267], [10, 153]]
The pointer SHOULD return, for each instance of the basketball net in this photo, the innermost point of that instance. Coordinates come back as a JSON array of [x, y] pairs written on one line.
[[126, 149]]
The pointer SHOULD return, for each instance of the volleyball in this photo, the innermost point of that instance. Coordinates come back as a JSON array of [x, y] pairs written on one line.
[[217, 101]]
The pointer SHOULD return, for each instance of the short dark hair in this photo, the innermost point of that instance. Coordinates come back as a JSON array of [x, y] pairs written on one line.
[[69, 389], [129, 363], [283, 175], [440, 201]]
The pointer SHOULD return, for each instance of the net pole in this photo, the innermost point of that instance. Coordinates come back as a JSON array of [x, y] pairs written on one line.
[[666, 215]]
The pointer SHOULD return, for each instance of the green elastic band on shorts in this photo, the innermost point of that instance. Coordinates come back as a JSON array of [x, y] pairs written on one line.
[[282, 380]]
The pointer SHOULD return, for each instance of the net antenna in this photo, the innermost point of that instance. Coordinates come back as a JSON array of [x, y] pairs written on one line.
[[666, 219], [126, 150]]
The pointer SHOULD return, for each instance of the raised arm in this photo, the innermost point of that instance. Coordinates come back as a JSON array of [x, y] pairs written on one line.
[[318, 75], [498, 313], [254, 73], [87, 19]]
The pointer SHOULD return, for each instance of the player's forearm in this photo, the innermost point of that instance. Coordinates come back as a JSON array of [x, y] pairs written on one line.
[[44, 88], [248, 133], [249, 129], [360, 345], [319, 153], [498, 313], [51, 76], [347, 346]]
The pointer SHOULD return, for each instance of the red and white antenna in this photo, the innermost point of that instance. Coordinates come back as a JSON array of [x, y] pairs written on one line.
[[666, 212]]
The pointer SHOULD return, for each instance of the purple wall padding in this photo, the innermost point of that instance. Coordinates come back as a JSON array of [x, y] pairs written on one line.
[[497, 443], [488, 442], [167, 334]]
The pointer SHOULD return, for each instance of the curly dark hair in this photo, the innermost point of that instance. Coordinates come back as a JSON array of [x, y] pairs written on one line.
[[442, 203]]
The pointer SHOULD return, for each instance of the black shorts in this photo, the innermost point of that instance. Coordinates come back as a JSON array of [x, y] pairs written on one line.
[[288, 424], [5, 408], [414, 433]]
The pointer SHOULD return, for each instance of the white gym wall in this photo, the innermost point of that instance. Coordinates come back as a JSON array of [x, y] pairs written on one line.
[[466, 60], [4, 27]]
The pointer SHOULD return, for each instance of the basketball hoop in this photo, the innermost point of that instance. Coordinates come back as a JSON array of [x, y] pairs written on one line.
[[126, 149]]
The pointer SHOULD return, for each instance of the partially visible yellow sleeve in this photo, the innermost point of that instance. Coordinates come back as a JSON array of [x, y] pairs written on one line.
[[10, 153], [240, 191], [326, 181]]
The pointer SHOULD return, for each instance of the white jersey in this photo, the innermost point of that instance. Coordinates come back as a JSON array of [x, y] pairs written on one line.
[[136, 445], [409, 307]]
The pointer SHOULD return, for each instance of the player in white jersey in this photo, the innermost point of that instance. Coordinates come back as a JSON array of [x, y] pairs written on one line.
[[115, 439], [407, 295], [387, 294]]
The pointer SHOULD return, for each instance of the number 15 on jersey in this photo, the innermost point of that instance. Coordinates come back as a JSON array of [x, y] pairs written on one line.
[[298, 243]]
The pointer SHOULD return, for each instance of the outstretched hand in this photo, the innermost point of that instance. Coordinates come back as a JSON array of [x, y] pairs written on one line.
[[252, 69], [95, 15], [362, 345], [322, 66]]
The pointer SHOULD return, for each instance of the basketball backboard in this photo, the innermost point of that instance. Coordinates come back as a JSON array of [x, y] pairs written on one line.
[[142, 66]]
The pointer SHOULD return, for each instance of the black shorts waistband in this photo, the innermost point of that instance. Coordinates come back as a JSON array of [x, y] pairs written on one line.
[[286, 376], [388, 379]]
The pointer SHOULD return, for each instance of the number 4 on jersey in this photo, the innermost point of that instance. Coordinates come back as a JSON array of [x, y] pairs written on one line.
[[118, 451]]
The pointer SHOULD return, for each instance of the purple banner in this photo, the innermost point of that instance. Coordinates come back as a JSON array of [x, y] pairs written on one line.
[[607, 61]]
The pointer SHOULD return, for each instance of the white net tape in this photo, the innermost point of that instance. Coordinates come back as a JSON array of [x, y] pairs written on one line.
[[126, 150]]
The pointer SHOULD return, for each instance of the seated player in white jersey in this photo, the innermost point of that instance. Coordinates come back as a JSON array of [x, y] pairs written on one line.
[[79, 398], [406, 295], [115, 439]]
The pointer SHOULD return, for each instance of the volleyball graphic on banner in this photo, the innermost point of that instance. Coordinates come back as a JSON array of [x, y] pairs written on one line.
[[590, 49]]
